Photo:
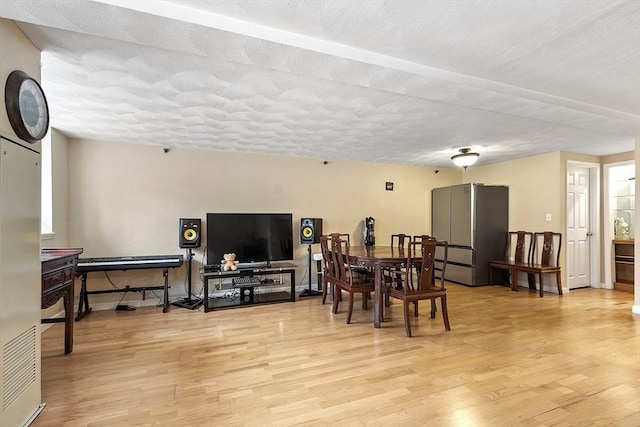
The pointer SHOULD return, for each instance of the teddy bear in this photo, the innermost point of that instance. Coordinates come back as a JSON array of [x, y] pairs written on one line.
[[229, 262]]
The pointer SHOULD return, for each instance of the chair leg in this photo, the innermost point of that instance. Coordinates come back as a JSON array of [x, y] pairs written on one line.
[[559, 282], [415, 308], [541, 285], [531, 278], [365, 300], [445, 314], [407, 318], [325, 285], [433, 308], [336, 299], [350, 307], [513, 279]]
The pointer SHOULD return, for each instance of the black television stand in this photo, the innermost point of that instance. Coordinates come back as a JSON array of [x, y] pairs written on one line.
[[270, 289], [191, 303]]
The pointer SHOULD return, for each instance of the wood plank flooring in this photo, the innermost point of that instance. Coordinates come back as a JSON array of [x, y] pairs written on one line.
[[511, 359]]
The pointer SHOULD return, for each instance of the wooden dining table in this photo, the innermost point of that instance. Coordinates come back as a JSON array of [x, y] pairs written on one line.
[[378, 257]]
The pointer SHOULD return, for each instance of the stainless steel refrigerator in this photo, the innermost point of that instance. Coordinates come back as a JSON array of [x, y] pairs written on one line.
[[474, 220]]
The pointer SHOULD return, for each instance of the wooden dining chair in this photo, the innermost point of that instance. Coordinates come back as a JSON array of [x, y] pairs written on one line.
[[327, 271], [518, 250], [358, 270], [545, 259], [344, 278], [425, 286], [419, 238], [400, 240]]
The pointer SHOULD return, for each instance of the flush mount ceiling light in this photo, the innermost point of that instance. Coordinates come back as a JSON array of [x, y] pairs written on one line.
[[465, 158]]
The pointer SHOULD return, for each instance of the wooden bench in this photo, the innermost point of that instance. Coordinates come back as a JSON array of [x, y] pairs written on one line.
[[518, 244], [548, 245]]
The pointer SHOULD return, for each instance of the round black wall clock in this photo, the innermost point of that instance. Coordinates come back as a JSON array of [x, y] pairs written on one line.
[[26, 107]]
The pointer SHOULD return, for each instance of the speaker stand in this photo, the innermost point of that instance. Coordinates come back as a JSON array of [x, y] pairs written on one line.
[[189, 302], [310, 292]]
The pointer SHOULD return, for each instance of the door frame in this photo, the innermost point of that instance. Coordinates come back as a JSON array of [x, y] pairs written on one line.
[[607, 231], [594, 219]]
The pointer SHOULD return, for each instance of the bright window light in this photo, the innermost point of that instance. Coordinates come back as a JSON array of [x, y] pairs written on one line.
[[46, 219]]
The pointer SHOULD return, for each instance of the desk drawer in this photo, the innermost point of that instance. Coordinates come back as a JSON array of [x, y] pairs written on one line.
[[56, 278]]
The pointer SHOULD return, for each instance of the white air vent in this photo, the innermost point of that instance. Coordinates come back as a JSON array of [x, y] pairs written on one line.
[[18, 366]]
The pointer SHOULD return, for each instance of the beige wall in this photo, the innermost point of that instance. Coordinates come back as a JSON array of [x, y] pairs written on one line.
[[126, 199], [535, 189], [620, 157]]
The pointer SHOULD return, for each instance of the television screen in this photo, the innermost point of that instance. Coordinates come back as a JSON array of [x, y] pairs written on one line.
[[253, 237]]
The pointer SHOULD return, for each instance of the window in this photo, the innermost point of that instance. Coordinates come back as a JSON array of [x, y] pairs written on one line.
[[46, 219]]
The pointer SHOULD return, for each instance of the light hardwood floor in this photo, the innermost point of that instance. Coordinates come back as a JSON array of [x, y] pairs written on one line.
[[511, 359]]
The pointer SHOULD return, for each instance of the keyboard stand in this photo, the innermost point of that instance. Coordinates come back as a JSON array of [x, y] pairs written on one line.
[[86, 266], [83, 303]]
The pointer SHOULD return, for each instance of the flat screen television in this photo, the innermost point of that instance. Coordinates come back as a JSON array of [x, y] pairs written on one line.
[[255, 238]]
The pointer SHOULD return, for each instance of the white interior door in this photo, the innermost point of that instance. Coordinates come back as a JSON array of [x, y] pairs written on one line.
[[578, 232]]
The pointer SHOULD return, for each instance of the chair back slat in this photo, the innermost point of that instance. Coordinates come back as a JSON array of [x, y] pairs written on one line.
[[420, 276], [400, 240], [337, 258], [326, 256], [551, 243], [340, 254], [343, 236], [427, 271], [523, 243]]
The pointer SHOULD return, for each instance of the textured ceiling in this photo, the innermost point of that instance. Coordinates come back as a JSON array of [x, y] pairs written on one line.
[[392, 81]]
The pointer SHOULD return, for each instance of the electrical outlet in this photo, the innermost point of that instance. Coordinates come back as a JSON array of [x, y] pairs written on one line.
[[547, 217]]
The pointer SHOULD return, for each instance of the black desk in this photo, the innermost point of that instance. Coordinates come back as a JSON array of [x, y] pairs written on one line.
[[251, 299], [88, 265]]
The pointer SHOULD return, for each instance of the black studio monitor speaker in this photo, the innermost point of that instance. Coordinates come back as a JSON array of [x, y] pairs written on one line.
[[190, 232], [310, 230]]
